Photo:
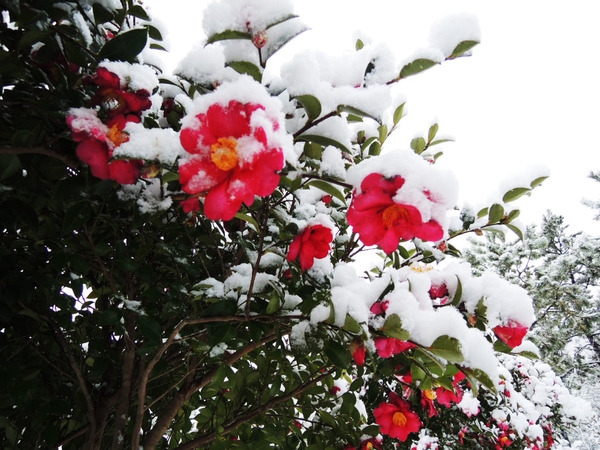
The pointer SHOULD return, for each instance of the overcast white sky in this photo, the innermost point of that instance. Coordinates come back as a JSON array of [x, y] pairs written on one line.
[[528, 96]]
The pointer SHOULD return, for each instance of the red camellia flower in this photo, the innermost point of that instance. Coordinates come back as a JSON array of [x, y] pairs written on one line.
[[96, 147], [511, 334], [396, 419], [447, 397], [379, 220], [116, 101], [388, 346], [230, 158], [359, 351], [313, 242]]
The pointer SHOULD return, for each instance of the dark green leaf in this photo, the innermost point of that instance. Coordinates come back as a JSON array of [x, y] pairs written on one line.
[[322, 140], [149, 327], [351, 325], [125, 46], [512, 215], [313, 151], [496, 213], [246, 67], [462, 48], [229, 34], [416, 66], [418, 144], [514, 194], [433, 129], [458, 294], [338, 354], [356, 111], [76, 216], [515, 230], [448, 348], [109, 317], [392, 327], [482, 377], [311, 105], [274, 46], [154, 33], [9, 164], [440, 141], [375, 148], [101, 14], [139, 12], [383, 133], [537, 181], [398, 113], [329, 188]]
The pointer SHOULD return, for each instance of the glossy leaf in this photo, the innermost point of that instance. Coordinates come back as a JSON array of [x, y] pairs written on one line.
[[228, 34], [538, 181], [416, 66], [338, 354], [323, 140], [496, 213], [356, 111], [418, 144], [516, 230], [433, 129], [328, 188], [392, 327], [448, 348], [9, 164], [462, 48], [125, 46], [246, 67], [514, 194], [311, 105]]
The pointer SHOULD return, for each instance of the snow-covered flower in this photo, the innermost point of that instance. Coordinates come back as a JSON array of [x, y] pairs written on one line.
[[380, 220], [313, 242], [97, 143], [511, 334], [233, 153]]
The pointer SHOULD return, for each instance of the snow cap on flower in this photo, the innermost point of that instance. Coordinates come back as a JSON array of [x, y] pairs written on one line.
[[397, 197], [235, 144], [244, 15], [312, 242]]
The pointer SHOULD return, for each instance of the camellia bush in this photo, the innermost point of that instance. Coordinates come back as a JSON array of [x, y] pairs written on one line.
[[235, 256]]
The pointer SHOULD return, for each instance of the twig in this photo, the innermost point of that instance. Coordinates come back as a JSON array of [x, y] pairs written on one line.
[[232, 424], [70, 162], [170, 410]]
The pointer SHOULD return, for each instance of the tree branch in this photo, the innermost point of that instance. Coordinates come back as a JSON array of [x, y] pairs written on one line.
[[232, 424], [165, 417], [70, 162]]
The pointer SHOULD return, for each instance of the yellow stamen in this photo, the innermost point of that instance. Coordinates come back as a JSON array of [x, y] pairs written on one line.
[[224, 153], [117, 136], [393, 214], [429, 394], [399, 419]]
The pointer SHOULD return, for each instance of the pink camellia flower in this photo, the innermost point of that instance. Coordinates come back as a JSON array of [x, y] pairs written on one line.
[[379, 220], [511, 334], [396, 419], [389, 346], [230, 157], [96, 146], [313, 242]]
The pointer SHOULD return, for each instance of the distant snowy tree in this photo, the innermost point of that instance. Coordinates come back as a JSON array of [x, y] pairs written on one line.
[[561, 271]]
